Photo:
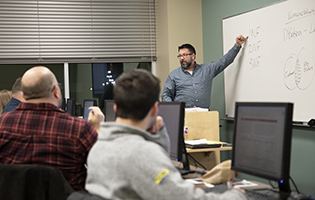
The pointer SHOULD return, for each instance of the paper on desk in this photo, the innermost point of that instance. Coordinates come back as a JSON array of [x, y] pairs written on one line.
[[201, 141], [198, 181], [196, 109], [244, 183]]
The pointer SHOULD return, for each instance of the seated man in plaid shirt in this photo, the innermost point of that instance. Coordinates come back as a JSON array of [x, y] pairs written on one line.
[[39, 132]]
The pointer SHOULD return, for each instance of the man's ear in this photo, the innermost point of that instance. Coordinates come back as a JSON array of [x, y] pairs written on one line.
[[56, 92], [115, 107], [155, 109]]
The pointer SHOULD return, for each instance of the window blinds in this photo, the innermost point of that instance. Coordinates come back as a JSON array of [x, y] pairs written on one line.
[[77, 31]]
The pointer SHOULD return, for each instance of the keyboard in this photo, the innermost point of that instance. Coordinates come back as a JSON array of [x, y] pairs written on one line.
[[251, 194], [217, 189], [201, 146], [227, 145]]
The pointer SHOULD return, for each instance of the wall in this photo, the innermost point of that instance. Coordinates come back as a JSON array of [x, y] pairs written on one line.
[[177, 22], [303, 141]]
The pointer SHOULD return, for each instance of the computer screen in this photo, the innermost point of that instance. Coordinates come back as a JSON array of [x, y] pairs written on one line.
[[110, 114], [63, 104], [86, 104], [173, 114], [262, 141], [70, 108]]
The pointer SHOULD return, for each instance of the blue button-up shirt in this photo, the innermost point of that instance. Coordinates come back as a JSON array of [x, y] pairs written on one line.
[[13, 103], [195, 89]]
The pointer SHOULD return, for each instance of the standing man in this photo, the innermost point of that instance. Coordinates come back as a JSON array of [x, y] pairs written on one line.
[[130, 159], [17, 96], [191, 83], [39, 132]]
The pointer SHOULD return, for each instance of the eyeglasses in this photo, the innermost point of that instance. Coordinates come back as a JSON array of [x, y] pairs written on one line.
[[184, 55]]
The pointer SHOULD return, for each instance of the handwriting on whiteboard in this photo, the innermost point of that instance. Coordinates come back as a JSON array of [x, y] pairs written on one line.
[[254, 47], [299, 70]]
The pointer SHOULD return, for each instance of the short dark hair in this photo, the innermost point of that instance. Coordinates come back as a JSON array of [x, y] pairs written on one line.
[[17, 86], [135, 92], [189, 47]]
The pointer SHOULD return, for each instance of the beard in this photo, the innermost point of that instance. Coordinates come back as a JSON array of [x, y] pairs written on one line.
[[185, 64]]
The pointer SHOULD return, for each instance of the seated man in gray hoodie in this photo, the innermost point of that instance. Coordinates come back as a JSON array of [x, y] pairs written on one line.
[[130, 159]]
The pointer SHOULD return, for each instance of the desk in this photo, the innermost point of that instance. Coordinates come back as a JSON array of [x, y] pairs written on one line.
[[204, 125], [260, 187], [203, 186], [189, 150], [208, 157]]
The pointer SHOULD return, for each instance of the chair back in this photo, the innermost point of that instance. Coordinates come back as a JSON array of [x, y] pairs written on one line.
[[36, 182], [81, 195]]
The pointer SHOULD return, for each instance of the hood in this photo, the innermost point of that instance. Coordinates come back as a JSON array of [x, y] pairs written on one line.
[[112, 130]]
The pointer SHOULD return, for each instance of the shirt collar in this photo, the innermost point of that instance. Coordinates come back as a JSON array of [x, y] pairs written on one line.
[[185, 71], [38, 106]]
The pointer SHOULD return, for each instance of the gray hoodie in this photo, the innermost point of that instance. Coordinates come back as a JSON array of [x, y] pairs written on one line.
[[129, 163]]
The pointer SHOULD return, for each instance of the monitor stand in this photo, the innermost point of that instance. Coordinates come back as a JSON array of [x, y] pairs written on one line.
[[264, 188], [186, 168]]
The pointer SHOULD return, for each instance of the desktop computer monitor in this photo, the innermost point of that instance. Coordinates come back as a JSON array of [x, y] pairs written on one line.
[[86, 104], [110, 114], [63, 104], [70, 107], [262, 141], [173, 114]]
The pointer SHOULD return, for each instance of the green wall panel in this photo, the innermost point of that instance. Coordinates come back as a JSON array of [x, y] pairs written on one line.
[[303, 140]]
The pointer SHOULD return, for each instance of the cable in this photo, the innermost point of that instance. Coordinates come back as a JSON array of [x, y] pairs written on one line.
[[290, 178], [272, 185], [297, 190], [193, 159]]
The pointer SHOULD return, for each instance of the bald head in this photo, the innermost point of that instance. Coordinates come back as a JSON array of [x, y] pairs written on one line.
[[38, 83]]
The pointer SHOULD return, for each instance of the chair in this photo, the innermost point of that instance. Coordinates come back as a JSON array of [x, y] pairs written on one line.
[[81, 195], [34, 182]]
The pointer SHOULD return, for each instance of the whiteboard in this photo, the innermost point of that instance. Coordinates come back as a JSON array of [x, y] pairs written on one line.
[[276, 63]]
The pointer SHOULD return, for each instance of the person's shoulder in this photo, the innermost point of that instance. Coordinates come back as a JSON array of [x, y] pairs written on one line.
[[147, 149], [204, 66], [146, 152], [10, 113], [15, 100], [4, 114], [80, 123], [177, 70]]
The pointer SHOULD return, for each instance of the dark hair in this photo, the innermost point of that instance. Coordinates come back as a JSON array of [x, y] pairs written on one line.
[[135, 92], [17, 86], [187, 46]]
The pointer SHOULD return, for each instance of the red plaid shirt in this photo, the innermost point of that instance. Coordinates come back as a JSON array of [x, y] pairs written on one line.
[[44, 134]]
